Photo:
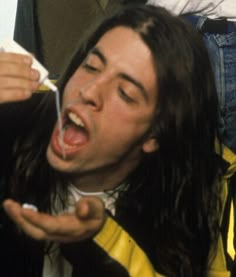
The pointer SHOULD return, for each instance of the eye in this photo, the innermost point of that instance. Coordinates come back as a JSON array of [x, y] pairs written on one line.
[[125, 96], [92, 63], [90, 67]]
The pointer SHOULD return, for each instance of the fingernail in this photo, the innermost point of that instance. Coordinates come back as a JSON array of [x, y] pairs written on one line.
[[34, 74]]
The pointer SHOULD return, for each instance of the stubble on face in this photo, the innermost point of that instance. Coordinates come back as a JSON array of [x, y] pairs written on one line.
[[116, 106]]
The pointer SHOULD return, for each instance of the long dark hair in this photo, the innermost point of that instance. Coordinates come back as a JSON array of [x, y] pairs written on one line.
[[174, 191]]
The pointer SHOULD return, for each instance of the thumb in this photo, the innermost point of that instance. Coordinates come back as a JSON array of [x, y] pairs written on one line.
[[90, 207]]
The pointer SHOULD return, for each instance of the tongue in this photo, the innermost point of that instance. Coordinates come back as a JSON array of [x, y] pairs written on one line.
[[73, 135]]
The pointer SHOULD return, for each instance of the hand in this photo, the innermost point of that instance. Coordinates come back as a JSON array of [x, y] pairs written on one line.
[[85, 222], [17, 79]]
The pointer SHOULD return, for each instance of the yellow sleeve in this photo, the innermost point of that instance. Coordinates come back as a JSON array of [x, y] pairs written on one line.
[[229, 157], [218, 266], [122, 248]]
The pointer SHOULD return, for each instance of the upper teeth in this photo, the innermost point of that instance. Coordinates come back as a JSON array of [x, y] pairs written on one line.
[[75, 119]]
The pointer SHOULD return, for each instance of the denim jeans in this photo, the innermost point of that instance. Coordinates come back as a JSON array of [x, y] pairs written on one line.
[[222, 52]]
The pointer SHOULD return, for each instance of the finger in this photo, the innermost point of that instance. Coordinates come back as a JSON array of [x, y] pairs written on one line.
[[33, 231], [15, 95], [17, 83], [16, 58], [20, 216], [14, 210], [90, 208], [65, 227], [28, 219], [62, 228], [18, 71], [45, 226], [15, 89], [52, 225]]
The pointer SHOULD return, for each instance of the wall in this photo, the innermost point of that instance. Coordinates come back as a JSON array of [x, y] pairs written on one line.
[[7, 18]]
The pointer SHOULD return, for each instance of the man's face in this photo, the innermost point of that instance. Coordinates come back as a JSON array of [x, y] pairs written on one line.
[[108, 105]]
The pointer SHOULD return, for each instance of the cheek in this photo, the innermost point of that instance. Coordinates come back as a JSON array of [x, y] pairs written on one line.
[[122, 127], [137, 118]]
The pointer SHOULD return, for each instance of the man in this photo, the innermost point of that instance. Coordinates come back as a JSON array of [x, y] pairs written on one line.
[[143, 141]]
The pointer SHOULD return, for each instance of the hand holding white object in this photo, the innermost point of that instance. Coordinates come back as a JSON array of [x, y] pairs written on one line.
[[85, 222], [18, 80]]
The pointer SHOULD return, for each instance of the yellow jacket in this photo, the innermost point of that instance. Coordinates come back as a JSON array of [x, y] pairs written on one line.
[[121, 247]]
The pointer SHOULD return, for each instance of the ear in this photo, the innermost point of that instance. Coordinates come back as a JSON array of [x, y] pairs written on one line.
[[150, 145]]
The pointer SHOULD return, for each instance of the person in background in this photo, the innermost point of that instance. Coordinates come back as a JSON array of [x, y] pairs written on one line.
[[137, 189], [216, 21]]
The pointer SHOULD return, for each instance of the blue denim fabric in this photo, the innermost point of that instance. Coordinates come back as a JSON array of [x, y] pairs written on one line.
[[222, 52]]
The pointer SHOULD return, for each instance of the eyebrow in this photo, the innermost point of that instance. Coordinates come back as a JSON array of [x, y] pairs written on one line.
[[95, 51], [99, 54], [136, 83]]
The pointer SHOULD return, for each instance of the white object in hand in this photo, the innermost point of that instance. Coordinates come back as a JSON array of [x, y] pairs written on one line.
[[30, 207], [9, 45]]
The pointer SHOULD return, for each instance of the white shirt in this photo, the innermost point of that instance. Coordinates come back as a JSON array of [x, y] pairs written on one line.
[[210, 8], [54, 264]]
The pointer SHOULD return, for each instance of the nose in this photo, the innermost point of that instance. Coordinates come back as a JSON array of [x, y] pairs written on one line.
[[91, 94]]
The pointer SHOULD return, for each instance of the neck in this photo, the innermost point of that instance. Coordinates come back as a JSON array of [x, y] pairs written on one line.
[[103, 178], [88, 184]]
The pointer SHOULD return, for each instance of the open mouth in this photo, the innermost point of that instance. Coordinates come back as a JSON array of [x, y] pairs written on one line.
[[74, 130], [74, 134]]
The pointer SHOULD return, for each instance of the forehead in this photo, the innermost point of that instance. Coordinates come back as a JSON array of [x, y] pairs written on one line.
[[125, 51], [125, 41]]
